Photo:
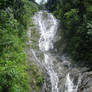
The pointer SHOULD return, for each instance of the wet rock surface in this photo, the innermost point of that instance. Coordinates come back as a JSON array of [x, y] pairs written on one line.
[[35, 56], [80, 77]]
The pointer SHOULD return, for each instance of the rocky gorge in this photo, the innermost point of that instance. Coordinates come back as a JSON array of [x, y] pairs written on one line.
[[60, 74]]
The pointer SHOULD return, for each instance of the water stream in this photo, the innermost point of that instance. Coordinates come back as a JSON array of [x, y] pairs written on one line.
[[48, 25]]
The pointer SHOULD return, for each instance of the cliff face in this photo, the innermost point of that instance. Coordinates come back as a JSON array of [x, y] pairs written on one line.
[[59, 73], [74, 39], [80, 74]]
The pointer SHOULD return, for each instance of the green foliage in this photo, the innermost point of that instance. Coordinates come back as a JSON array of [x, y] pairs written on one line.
[[71, 17], [76, 18], [14, 18], [34, 38], [89, 8], [72, 13], [36, 78], [30, 8]]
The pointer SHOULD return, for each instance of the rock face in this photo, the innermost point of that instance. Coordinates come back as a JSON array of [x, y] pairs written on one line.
[[80, 76], [71, 78], [35, 56], [86, 82]]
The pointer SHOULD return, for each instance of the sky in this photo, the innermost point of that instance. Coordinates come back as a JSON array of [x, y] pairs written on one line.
[[38, 1]]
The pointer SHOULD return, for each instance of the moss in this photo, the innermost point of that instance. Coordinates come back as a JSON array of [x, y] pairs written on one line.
[[36, 77], [34, 38]]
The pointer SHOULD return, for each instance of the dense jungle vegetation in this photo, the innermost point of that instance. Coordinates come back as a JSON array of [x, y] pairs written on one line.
[[76, 18], [15, 18]]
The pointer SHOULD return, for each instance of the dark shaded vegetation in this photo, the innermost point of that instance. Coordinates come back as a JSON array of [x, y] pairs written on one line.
[[36, 79], [15, 18], [76, 17]]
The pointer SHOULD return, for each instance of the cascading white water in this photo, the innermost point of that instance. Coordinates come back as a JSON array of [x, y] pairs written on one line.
[[48, 26], [69, 84], [70, 87]]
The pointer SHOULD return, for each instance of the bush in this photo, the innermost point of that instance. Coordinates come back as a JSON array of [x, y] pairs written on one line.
[[14, 18], [75, 16]]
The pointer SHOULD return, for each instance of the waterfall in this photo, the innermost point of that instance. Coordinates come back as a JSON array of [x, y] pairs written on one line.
[[48, 25], [70, 87], [69, 84]]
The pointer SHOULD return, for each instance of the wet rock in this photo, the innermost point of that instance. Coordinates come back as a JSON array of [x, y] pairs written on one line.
[[80, 77], [86, 83]]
